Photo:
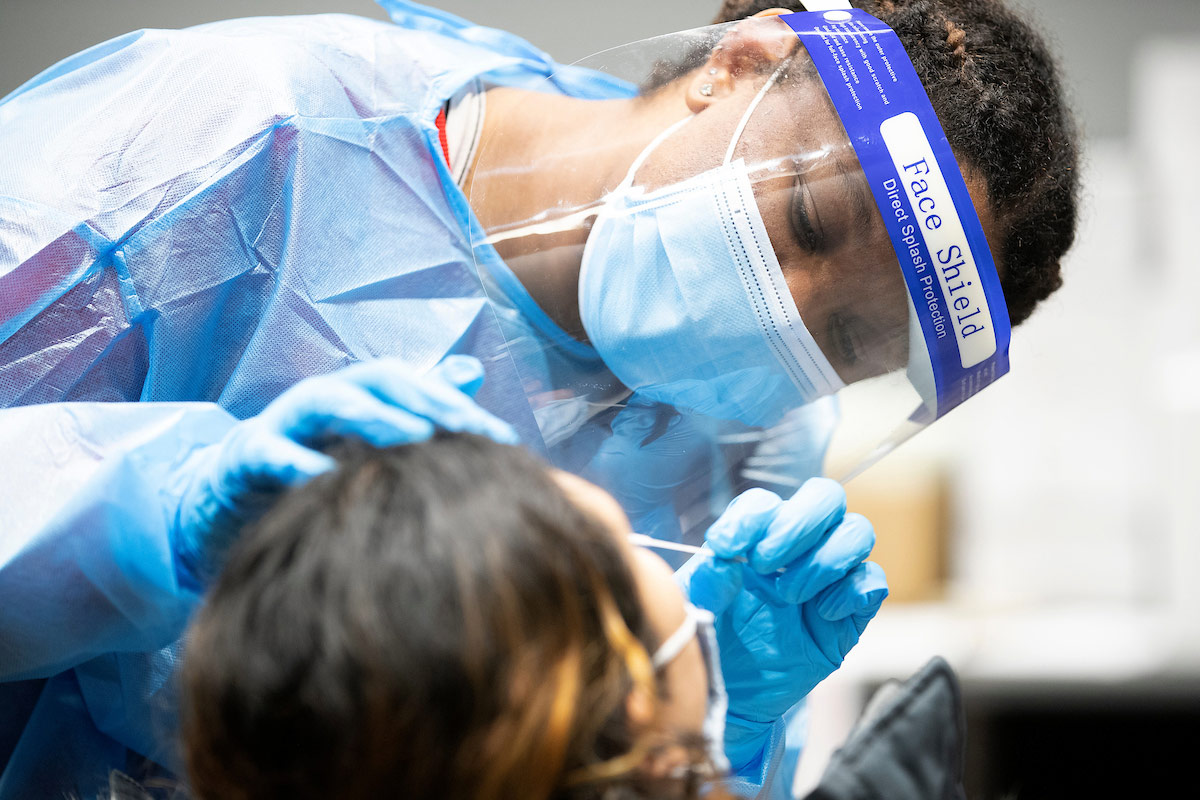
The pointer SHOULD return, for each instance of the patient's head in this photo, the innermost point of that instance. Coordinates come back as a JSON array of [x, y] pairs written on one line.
[[449, 619]]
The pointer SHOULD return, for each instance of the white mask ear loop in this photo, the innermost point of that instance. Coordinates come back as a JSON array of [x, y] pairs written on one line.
[[737, 133], [670, 649]]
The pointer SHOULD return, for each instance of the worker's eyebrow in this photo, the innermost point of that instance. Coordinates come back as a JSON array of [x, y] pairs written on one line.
[[856, 189], [810, 235]]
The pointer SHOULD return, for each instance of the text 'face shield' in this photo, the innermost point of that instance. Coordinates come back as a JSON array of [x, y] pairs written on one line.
[[773, 242]]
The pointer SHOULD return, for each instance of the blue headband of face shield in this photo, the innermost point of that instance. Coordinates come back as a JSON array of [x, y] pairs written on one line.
[[681, 294], [701, 625]]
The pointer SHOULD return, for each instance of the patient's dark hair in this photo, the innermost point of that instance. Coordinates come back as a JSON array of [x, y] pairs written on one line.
[[995, 87], [436, 620]]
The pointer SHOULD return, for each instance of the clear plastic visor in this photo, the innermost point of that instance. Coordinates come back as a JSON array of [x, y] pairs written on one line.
[[707, 236]]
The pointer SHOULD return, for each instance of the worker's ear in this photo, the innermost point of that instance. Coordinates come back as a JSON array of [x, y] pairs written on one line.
[[748, 48], [772, 12]]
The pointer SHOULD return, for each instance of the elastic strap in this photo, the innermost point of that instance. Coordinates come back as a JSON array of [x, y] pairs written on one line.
[[737, 133], [648, 149], [669, 650]]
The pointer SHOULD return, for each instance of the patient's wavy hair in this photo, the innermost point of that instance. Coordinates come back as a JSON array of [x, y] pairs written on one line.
[[430, 621]]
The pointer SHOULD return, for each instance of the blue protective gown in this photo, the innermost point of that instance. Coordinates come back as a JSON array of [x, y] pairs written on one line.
[[190, 222]]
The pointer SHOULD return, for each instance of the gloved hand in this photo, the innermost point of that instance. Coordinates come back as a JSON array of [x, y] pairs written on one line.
[[782, 632], [652, 453], [222, 487]]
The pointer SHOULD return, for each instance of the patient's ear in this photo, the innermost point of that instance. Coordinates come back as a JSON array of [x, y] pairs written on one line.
[[660, 762], [639, 708]]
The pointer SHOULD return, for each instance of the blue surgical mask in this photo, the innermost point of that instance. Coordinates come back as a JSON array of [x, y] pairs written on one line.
[[700, 624], [683, 298]]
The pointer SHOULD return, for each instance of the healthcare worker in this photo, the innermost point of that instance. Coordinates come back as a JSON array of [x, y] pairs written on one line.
[[193, 221]]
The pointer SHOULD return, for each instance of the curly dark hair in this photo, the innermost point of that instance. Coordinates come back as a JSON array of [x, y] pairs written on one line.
[[995, 87]]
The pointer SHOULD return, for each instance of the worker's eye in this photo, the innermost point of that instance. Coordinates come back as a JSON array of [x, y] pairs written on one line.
[[806, 222]]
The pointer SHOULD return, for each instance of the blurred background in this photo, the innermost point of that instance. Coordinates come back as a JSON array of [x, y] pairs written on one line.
[[1045, 538]]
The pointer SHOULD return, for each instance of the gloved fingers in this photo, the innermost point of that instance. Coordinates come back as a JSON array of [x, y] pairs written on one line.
[[858, 595], [847, 546], [463, 372], [270, 461], [710, 583], [802, 521], [436, 395], [635, 422], [662, 448], [332, 407], [744, 522]]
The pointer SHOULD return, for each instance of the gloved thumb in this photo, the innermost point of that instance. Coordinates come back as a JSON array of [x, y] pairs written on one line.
[[274, 462], [858, 594], [464, 372], [710, 583]]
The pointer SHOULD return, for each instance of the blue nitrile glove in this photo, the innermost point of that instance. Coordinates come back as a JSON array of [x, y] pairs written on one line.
[[782, 633], [385, 402], [652, 452]]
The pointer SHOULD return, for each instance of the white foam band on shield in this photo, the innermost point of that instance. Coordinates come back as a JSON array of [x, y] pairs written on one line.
[[953, 265], [826, 5]]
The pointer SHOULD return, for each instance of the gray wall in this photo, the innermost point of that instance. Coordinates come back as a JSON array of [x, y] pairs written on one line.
[[1096, 37]]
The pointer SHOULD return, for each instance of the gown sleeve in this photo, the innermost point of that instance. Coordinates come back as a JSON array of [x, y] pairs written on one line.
[[86, 559], [98, 149]]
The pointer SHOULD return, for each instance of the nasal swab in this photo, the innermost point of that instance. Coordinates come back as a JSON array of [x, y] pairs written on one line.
[[642, 540]]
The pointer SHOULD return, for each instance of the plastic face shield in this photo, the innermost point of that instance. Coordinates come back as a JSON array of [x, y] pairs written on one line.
[[790, 269]]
